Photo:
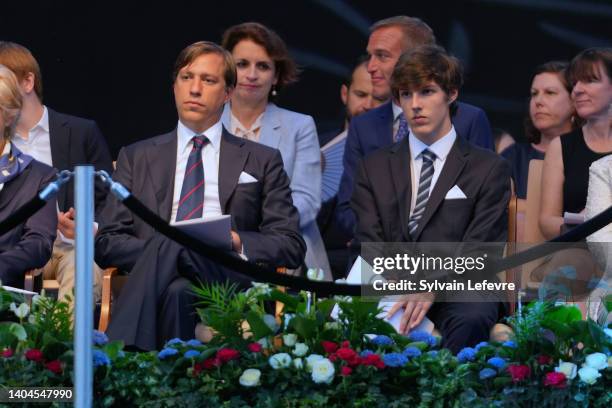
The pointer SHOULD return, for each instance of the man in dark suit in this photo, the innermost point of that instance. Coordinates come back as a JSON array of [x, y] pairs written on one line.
[[434, 186], [382, 126], [61, 141], [198, 170]]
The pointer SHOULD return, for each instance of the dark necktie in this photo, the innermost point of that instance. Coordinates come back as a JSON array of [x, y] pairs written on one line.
[[191, 204], [427, 172], [402, 129]]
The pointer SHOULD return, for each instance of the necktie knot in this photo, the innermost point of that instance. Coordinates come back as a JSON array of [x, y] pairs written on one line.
[[199, 141], [428, 155]]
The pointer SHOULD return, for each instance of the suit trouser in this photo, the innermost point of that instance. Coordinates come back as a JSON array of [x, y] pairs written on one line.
[[156, 304]]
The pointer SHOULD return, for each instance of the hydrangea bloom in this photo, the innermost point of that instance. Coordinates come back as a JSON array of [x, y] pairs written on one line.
[[423, 336], [194, 343], [394, 359], [100, 358], [486, 373], [175, 341], [191, 354], [509, 343], [433, 353], [466, 354], [99, 338], [411, 352], [167, 352], [366, 353], [497, 362], [481, 345], [382, 341]]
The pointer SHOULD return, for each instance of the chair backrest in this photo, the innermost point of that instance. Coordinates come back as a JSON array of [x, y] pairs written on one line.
[[533, 234]]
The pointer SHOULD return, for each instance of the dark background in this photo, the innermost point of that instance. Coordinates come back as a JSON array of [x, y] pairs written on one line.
[[111, 61]]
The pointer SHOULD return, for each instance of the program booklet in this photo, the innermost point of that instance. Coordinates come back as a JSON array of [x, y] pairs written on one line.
[[213, 231]]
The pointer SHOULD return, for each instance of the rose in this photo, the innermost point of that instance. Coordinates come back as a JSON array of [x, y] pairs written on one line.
[[346, 371], [255, 347], [227, 354], [329, 346], [290, 339], [373, 360], [543, 359], [346, 354], [300, 349], [211, 363], [54, 366], [323, 371], [7, 352], [588, 375], [311, 359], [519, 372], [598, 361], [250, 377], [280, 360], [569, 369], [34, 355], [555, 380]]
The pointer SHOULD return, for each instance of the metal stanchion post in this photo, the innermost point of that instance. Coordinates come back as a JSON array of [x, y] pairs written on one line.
[[83, 331]]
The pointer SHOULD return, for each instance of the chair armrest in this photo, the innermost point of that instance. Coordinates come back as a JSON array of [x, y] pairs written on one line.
[[105, 307]]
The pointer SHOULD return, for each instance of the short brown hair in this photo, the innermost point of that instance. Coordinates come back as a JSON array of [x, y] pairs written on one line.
[[10, 101], [20, 60], [584, 65], [417, 67], [193, 51], [286, 69], [416, 31]]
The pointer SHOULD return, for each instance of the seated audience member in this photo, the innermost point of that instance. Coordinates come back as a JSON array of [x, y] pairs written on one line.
[[568, 158], [400, 191], [198, 170], [61, 141], [264, 67], [385, 125], [29, 244], [551, 114], [502, 139]]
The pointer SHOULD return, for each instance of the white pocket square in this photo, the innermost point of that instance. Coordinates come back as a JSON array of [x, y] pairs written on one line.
[[246, 178], [455, 193]]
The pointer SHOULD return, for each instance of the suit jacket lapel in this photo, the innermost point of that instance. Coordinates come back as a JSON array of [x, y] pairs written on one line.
[[12, 188], [455, 162], [399, 163], [59, 139], [161, 163], [270, 133], [232, 158]]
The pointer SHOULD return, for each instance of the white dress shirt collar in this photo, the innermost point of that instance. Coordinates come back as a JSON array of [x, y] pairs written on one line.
[[441, 147], [397, 110], [185, 135], [238, 129]]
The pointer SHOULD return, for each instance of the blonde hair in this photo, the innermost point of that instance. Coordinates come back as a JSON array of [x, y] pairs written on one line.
[[10, 101]]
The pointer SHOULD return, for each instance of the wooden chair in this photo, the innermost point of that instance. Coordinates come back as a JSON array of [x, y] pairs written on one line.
[[532, 234]]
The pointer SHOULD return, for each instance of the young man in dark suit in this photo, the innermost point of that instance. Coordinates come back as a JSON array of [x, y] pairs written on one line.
[[434, 186], [61, 141], [198, 170], [385, 125]]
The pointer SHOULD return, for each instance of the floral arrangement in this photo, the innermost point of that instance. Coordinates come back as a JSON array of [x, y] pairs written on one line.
[[305, 359]]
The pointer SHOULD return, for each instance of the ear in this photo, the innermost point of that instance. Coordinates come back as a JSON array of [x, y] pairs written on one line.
[[344, 94], [452, 96], [228, 94], [27, 83]]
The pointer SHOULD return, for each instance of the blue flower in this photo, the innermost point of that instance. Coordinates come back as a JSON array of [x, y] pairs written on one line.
[[100, 358], [481, 345], [432, 353], [366, 353], [191, 353], [194, 343], [394, 359], [497, 362], [99, 338], [167, 352], [486, 373], [467, 354], [382, 341], [411, 352], [174, 341], [509, 343], [423, 336]]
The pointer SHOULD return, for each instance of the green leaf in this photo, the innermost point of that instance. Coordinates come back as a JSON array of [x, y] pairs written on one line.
[[304, 326], [258, 326], [18, 331], [564, 314], [502, 381]]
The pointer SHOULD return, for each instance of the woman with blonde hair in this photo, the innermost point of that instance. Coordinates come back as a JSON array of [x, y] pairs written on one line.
[[29, 244]]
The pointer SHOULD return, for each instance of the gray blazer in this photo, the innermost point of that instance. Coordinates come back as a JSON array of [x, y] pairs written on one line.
[[295, 136]]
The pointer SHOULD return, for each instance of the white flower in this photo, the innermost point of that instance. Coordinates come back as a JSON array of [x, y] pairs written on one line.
[[569, 369], [608, 332], [21, 311], [250, 377], [265, 343], [598, 361], [588, 375], [311, 359], [36, 298], [315, 274], [289, 339], [323, 371], [31, 319], [286, 319], [270, 321], [298, 363], [280, 360], [300, 349]]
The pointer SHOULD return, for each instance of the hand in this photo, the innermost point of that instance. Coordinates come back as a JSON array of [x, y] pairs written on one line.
[[415, 306], [65, 223], [236, 243]]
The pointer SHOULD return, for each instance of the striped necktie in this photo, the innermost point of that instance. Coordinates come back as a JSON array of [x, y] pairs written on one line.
[[191, 204], [402, 129], [427, 172]]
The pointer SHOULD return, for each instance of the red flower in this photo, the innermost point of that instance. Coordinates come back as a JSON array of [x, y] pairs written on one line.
[[373, 360], [519, 372], [329, 346], [255, 347], [346, 354], [543, 359], [7, 352], [346, 344], [346, 371], [555, 380], [333, 357], [34, 355], [226, 354], [54, 366], [197, 369], [211, 363]]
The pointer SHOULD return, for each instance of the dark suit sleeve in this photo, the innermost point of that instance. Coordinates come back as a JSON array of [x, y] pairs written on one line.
[[363, 202], [479, 133], [116, 243], [99, 156], [278, 241], [34, 248], [353, 152]]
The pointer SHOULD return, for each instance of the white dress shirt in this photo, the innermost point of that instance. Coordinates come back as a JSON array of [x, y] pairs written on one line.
[[37, 142], [397, 111], [210, 159], [441, 148], [238, 129]]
